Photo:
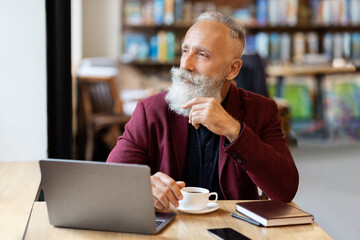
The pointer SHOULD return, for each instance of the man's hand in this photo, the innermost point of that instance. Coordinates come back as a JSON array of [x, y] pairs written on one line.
[[165, 190], [210, 113]]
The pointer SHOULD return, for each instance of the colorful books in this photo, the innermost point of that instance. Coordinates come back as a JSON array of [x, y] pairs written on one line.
[[169, 16], [271, 213], [285, 54], [161, 37], [299, 47], [179, 11], [159, 11], [261, 14], [275, 46], [335, 12], [262, 44], [132, 13], [160, 47], [135, 47], [170, 46], [277, 12]]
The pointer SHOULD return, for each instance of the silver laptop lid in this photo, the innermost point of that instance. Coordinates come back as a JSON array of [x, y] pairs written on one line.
[[101, 196]]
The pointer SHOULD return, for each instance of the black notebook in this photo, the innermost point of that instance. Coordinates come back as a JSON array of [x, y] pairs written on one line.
[[271, 213]]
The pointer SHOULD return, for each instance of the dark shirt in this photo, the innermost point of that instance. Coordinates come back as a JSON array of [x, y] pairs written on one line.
[[201, 167]]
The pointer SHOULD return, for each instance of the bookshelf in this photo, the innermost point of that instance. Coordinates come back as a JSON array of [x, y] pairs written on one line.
[[294, 37], [281, 31]]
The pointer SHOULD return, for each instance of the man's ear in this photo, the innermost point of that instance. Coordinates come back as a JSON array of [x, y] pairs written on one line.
[[235, 67]]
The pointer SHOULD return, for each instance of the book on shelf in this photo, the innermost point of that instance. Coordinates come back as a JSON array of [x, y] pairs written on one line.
[[135, 47], [169, 15], [285, 43], [354, 12], [161, 37], [275, 46], [132, 13], [261, 14], [279, 12], [312, 40], [338, 50], [159, 11], [170, 46], [250, 45], [262, 44], [270, 213], [355, 45], [273, 12], [160, 47], [292, 12], [178, 11], [187, 12], [347, 45], [328, 42], [153, 52], [299, 47], [335, 12]]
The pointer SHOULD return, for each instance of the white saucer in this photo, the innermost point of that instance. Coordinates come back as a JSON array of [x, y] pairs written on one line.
[[209, 208]]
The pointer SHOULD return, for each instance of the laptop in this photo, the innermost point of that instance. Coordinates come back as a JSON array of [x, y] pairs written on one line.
[[101, 196]]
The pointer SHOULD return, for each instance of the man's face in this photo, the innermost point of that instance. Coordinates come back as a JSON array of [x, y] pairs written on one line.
[[206, 49], [204, 67]]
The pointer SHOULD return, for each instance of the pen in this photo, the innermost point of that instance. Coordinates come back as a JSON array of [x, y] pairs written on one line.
[[245, 219]]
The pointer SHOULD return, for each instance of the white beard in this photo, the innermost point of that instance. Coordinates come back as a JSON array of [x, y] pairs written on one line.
[[181, 92]]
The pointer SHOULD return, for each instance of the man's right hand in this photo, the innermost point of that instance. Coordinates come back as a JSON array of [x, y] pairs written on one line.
[[165, 190]]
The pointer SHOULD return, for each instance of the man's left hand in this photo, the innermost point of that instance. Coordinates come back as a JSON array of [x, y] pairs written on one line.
[[210, 113]]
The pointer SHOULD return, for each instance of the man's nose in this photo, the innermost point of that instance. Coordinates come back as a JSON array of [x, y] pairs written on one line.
[[187, 62]]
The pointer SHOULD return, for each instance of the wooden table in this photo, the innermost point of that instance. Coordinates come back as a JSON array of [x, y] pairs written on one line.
[[22, 218], [185, 226], [19, 185]]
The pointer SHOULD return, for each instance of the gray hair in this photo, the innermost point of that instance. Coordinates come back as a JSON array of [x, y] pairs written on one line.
[[237, 29]]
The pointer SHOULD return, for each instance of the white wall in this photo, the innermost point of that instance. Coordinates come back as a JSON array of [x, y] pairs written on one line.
[[101, 28], [23, 119], [76, 32]]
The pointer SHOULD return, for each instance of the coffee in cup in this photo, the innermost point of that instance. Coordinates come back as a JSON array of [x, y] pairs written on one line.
[[196, 198]]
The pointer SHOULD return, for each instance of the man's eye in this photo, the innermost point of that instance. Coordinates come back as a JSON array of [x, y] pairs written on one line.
[[203, 55], [184, 50]]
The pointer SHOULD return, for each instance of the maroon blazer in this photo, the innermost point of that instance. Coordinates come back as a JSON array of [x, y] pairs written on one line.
[[157, 137]]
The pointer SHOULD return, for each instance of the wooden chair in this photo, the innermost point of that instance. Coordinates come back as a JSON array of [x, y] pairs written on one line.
[[102, 108]]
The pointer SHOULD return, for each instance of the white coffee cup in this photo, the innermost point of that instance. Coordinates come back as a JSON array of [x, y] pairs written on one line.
[[196, 198]]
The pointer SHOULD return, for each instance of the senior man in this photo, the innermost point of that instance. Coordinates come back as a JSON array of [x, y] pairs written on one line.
[[204, 131]]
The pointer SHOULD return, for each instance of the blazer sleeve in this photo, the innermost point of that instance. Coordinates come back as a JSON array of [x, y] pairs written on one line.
[[266, 157], [132, 146]]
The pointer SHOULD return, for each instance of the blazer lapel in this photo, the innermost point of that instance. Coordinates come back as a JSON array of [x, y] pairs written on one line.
[[234, 108], [179, 137]]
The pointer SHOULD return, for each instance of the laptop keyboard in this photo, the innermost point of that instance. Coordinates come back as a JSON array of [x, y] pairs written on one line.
[[158, 222]]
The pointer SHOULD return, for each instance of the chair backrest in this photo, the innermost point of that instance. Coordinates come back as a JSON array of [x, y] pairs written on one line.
[[100, 96], [252, 75]]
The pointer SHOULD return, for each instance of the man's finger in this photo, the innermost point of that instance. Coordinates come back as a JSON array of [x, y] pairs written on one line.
[[195, 101], [163, 202], [158, 204], [170, 189], [180, 184], [165, 189]]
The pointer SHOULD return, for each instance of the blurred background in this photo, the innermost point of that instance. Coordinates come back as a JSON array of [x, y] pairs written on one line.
[[303, 54]]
